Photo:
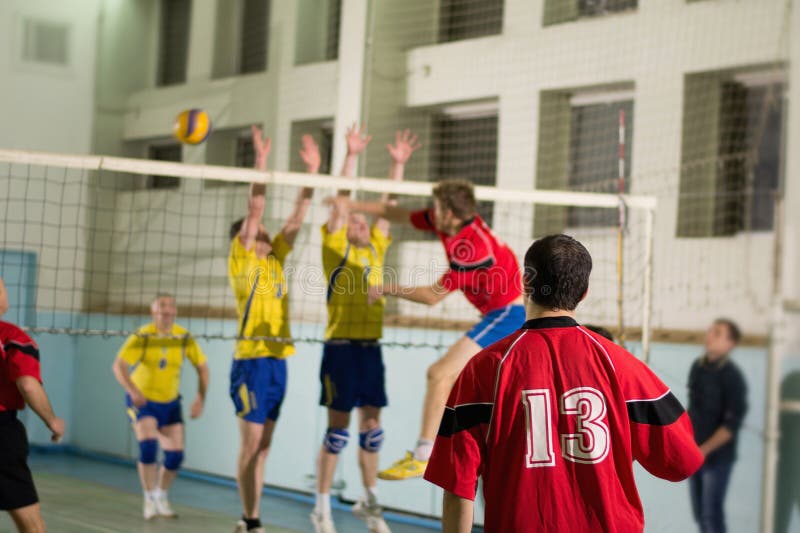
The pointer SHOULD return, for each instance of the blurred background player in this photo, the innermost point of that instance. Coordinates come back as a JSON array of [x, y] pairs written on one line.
[[258, 372], [20, 384], [484, 268], [352, 372], [148, 366], [553, 417], [717, 405]]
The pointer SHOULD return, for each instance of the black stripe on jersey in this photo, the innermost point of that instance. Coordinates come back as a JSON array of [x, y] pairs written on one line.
[[458, 267], [659, 412], [28, 349], [463, 417]]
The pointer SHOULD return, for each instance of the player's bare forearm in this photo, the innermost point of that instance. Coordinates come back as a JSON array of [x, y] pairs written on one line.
[[423, 294], [123, 376], [456, 514], [382, 209], [203, 378], [295, 221], [34, 395], [718, 439]]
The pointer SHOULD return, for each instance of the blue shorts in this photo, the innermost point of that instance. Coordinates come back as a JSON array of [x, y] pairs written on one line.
[[258, 387], [352, 375], [165, 414], [497, 324]]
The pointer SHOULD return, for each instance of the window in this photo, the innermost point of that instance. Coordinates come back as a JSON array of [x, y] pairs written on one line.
[[594, 156], [558, 11], [229, 147], [164, 152], [465, 146], [579, 151], [322, 131], [732, 160], [45, 42], [468, 19], [254, 36], [317, 31], [174, 41], [242, 37]]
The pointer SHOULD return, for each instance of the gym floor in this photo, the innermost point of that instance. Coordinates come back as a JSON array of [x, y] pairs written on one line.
[[81, 494]]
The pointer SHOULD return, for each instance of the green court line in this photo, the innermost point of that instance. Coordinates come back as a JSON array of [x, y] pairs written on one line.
[[70, 505]]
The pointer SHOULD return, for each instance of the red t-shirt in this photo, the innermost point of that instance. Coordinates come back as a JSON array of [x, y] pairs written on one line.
[[19, 356], [482, 266], [552, 418]]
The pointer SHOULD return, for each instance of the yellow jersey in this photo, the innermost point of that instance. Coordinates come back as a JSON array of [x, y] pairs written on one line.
[[157, 360], [262, 302], [349, 270]]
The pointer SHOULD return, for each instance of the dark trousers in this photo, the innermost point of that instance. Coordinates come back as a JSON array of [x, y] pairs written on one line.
[[707, 488]]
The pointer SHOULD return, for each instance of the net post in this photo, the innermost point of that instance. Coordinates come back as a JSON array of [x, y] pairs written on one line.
[[647, 284], [621, 233]]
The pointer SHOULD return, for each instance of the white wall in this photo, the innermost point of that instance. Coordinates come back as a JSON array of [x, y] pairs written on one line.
[[48, 107], [654, 47]]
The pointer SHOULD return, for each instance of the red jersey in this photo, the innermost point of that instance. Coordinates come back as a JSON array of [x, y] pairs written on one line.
[[482, 266], [19, 356], [552, 418]]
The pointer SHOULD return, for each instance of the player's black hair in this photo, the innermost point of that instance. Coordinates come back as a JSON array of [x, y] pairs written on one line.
[[236, 227], [734, 333], [600, 330], [557, 269]]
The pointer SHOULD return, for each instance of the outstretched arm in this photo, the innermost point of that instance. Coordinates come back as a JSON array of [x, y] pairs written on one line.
[[256, 201], [422, 294], [404, 145], [310, 154], [385, 210], [357, 142]]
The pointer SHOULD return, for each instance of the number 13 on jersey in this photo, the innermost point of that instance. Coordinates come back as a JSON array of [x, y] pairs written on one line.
[[588, 445]]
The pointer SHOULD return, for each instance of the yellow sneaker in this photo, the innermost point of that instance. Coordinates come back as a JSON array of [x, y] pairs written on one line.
[[405, 468]]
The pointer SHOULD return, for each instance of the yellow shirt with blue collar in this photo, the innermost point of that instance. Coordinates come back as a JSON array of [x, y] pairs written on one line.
[[262, 302], [158, 359]]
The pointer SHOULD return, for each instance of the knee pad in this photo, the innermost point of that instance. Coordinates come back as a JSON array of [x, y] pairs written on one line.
[[336, 439], [173, 459], [147, 451], [371, 440]]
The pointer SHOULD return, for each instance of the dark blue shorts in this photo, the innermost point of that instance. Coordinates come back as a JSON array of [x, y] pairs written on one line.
[[165, 414], [497, 324], [352, 375], [258, 387]]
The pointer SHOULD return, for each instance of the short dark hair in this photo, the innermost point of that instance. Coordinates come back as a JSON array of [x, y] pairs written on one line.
[[458, 196], [557, 269], [734, 333], [600, 330], [235, 228]]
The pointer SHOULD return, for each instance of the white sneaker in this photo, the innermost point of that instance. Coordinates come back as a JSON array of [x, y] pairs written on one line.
[[322, 523], [372, 515], [150, 510], [163, 508]]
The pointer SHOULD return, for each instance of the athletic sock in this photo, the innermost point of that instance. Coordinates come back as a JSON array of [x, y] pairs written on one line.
[[252, 523], [423, 450], [150, 495], [371, 495], [323, 504]]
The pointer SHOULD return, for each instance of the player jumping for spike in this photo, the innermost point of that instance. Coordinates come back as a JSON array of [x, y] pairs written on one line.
[[480, 265]]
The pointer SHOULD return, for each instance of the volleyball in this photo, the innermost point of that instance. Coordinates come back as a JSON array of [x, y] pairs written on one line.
[[192, 126]]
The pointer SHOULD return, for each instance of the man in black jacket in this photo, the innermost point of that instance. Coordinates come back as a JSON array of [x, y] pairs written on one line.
[[717, 405]]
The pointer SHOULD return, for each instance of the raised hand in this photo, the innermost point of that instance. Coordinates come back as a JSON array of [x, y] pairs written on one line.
[[405, 144], [310, 154], [262, 146], [357, 140]]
